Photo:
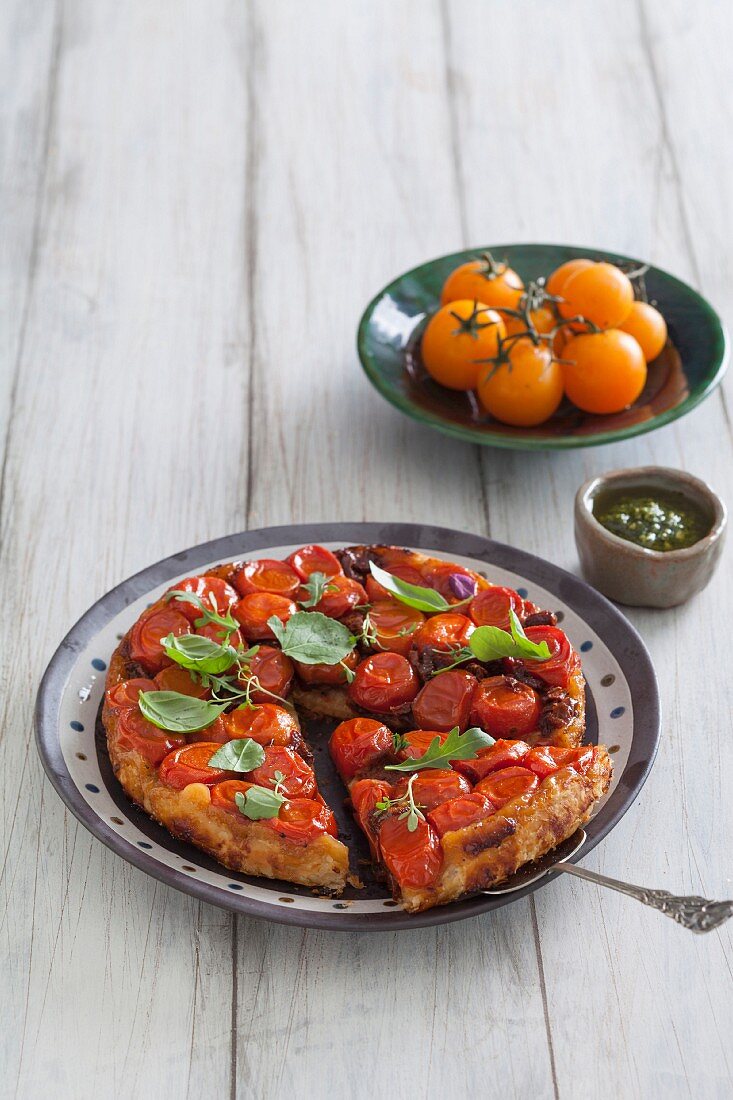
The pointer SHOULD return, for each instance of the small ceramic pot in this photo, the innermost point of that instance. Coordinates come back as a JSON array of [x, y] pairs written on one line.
[[635, 575]]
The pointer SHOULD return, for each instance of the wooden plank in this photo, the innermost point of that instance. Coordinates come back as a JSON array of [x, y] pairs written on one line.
[[599, 164], [28, 80], [126, 445]]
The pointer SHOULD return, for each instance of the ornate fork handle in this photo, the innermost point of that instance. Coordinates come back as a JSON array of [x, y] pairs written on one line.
[[693, 912]]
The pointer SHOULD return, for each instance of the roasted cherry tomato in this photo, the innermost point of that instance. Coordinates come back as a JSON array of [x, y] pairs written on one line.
[[364, 795], [456, 339], [175, 678], [217, 731], [267, 575], [212, 591], [134, 732], [327, 674], [501, 755], [223, 795], [445, 701], [484, 280], [395, 625], [218, 634], [253, 612], [412, 858], [357, 744], [299, 780], [460, 812], [505, 707], [648, 327], [314, 559], [190, 764], [563, 660], [266, 723], [604, 372], [303, 819], [492, 606], [600, 293], [446, 632], [340, 596], [445, 577], [403, 571], [508, 783], [272, 670], [383, 682], [561, 274], [432, 787], [146, 635], [526, 388], [546, 759], [126, 694], [418, 742]]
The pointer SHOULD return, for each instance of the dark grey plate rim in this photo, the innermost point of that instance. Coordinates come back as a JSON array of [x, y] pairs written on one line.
[[608, 622]]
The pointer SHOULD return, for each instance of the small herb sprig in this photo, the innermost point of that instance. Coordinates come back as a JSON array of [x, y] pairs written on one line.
[[209, 612], [439, 754], [316, 585], [408, 807]]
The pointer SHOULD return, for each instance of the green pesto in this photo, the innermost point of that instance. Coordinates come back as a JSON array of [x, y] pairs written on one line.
[[653, 518]]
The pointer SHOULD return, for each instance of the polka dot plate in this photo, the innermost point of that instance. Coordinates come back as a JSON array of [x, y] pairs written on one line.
[[622, 705]]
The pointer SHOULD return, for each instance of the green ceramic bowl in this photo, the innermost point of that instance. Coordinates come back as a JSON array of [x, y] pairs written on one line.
[[683, 375]]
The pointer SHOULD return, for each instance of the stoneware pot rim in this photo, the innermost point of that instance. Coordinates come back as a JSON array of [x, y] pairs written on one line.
[[689, 484]]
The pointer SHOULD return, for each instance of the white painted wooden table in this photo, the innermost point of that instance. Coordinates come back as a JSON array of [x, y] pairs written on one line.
[[197, 200]]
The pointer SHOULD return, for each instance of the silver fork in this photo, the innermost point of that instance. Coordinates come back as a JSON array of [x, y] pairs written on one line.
[[693, 912]]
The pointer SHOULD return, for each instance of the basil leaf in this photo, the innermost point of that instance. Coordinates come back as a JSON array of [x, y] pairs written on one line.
[[312, 638], [413, 595], [489, 643], [259, 803], [457, 746], [170, 710], [199, 654], [241, 755]]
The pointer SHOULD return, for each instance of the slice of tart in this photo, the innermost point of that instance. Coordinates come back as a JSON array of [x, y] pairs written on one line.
[[206, 691], [443, 832]]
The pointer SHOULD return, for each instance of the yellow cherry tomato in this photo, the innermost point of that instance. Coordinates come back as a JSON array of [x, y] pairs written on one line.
[[561, 274], [604, 372], [488, 281], [456, 338], [648, 327], [600, 293], [524, 390]]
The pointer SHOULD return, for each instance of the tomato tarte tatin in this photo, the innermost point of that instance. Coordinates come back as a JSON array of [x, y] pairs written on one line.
[[460, 708]]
